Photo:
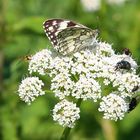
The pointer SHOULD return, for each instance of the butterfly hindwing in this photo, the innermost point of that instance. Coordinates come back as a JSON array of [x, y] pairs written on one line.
[[73, 39], [67, 36]]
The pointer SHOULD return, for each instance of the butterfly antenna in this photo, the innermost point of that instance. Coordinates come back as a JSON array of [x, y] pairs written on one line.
[[98, 23]]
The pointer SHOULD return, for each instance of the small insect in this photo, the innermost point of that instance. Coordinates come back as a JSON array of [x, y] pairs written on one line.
[[132, 104], [27, 58], [123, 65], [126, 51], [135, 88], [67, 36]]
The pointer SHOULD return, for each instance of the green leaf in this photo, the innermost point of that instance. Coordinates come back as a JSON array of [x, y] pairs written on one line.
[[34, 23]]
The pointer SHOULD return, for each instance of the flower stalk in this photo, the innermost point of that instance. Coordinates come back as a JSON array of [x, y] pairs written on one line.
[[67, 130], [65, 134]]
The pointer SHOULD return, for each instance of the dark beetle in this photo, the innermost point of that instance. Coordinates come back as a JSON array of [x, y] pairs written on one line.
[[133, 103], [123, 65]]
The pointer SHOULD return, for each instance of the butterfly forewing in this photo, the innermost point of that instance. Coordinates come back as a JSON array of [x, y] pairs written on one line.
[[53, 26], [67, 36]]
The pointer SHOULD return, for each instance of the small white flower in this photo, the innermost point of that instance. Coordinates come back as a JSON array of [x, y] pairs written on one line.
[[104, 49], [113, 106], [86, 88], [62, 85], [30, 88], [66, 113], [106, 82], [60, 65], [40, 62], [91, 5], [128, 82]]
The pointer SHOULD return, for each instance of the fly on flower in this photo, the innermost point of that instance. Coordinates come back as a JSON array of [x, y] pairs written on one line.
[[27, 58], [67, 36]]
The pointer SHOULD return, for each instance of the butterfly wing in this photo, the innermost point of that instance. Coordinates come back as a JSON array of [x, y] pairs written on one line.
[[53, 26], [73, 39], [67, 36]]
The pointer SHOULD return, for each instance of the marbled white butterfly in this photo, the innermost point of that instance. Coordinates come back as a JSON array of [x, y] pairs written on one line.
[[67, 36]]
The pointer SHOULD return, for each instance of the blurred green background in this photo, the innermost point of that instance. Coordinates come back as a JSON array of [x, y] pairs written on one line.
[[21, 34]]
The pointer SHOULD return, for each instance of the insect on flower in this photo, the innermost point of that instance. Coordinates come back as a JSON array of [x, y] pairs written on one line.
[[126, 51], [67, 36], [135, 88], [123, 65], [132, 104], [27, 57]]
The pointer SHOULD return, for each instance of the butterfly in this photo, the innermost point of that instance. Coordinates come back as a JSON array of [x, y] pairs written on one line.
[[67, 36]]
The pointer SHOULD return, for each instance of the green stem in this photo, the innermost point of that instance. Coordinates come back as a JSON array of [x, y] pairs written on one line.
[[48, 91], [79, 102], [65, 134], [67, 130]]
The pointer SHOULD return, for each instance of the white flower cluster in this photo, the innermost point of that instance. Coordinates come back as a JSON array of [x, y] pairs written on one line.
[[40, 62], [86, 88], [66, 113], [84, 75], [95, 5], [91, 5], [30, 88], [113, 106]]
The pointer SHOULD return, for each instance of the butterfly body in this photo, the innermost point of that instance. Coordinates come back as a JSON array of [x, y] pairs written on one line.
[[67, 36]]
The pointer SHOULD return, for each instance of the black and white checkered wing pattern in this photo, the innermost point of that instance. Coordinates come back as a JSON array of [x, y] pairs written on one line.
[[67, 36]]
